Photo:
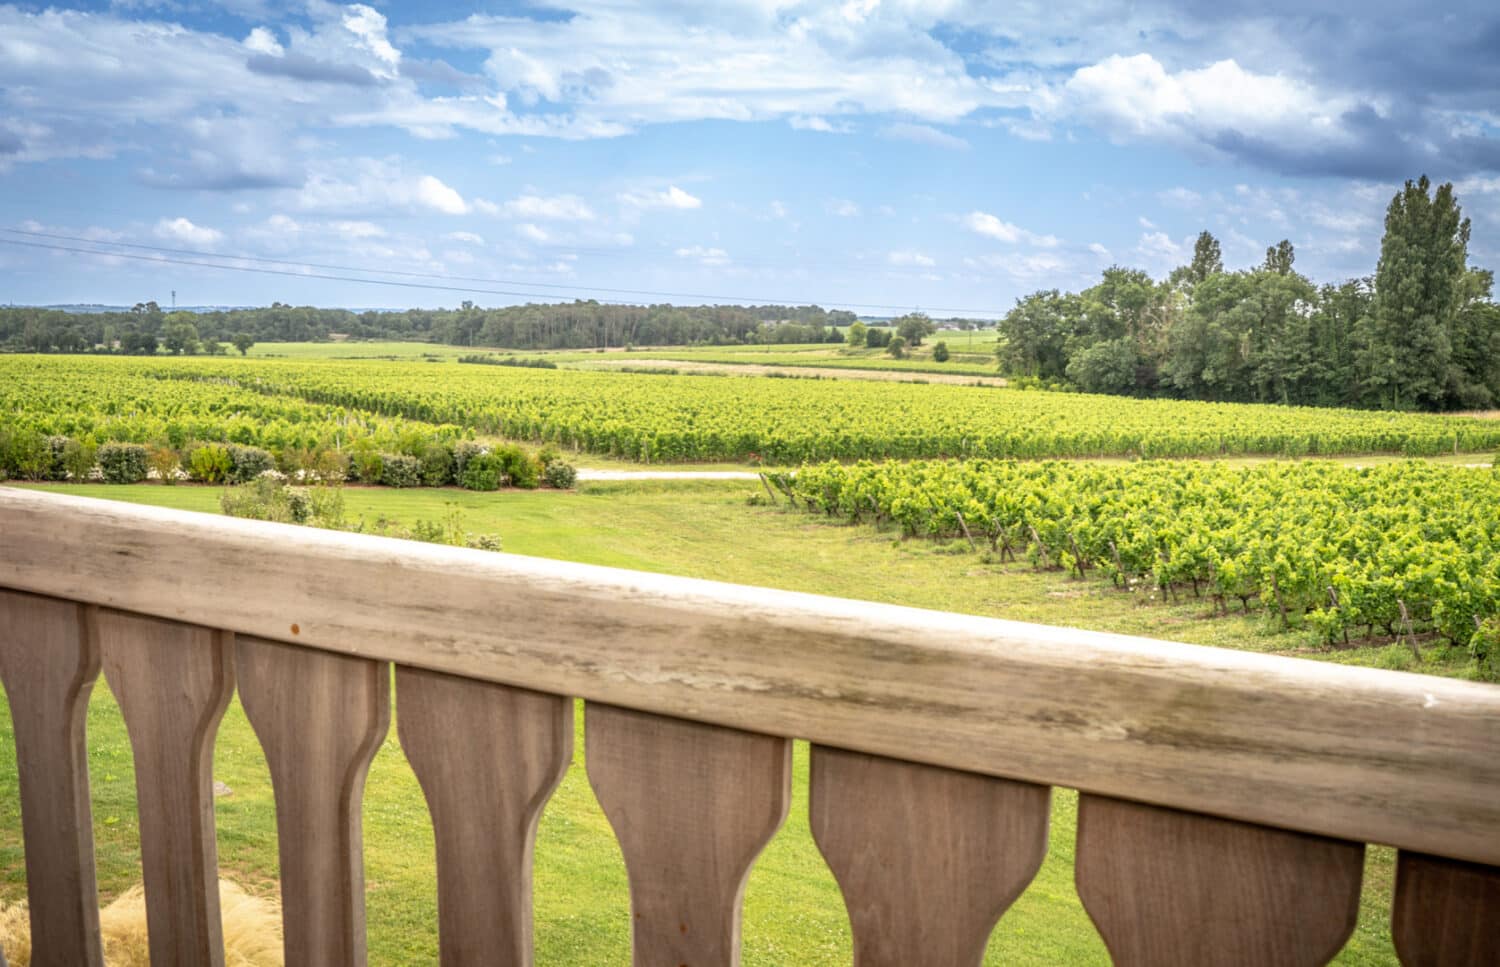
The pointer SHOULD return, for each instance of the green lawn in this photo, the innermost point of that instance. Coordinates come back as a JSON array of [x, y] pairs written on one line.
[[793, 911]]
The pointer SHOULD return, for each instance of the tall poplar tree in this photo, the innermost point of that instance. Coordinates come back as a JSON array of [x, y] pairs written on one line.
[[1418, 288], [1208, 258]]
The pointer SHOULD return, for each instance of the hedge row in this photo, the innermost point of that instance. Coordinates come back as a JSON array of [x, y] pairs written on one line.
[[30, 456]]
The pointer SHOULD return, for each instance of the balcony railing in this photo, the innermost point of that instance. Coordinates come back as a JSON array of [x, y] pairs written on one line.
[[1226, 798]]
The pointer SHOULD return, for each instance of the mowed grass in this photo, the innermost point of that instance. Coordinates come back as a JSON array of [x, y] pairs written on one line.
[[793, 910], [977, 360]]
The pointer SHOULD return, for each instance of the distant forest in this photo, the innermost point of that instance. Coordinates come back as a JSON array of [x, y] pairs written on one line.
[[147, 328]]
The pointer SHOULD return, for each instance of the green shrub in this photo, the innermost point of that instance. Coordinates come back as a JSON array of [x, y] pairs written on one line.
[[56, 448], [484, 471], [247, 463], [522, 468], [399, 470], [326, 504], [548, 455], [328, 466], [366, 466], [78, 459], [463, 452], [26, 455], [123, 462], [1484, 645], [940, 353], [267, 498], [166, 462], [210, 463], [437, 465], [560, 475]]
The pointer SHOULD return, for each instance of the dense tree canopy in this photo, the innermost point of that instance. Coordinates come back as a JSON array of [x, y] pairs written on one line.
[[1422, 333]]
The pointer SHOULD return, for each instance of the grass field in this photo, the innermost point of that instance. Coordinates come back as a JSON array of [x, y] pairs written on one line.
[[980, 362], [793, 911]]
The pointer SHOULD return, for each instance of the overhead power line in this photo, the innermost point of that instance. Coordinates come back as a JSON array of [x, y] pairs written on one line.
[[569, 290]]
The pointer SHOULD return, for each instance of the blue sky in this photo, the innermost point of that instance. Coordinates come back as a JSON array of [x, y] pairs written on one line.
[[924, 153]]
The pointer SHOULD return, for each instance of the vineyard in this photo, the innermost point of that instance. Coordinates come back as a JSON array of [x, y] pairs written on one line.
[[652, 419], [105, 419], [1406, 549]]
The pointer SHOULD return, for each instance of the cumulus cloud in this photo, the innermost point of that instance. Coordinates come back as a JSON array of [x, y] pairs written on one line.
[[842, 207], [181, 230], [262, 41], [375, 186], [1377, 96], [910, 257], [468, 237], [704, 256], [671, 197], [992, 226], [1224, 109]]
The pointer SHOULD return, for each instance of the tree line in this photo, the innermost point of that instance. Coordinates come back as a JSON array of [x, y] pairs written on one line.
[[1421, 333], [147, 329]]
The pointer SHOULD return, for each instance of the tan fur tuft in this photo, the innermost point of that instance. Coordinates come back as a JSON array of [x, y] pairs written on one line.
[[252, 930]]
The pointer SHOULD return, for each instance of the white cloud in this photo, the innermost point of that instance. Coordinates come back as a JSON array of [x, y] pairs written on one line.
[[368, 25], [910, 257], [924, 134], [1181, 197], [1221, 107], [705, 256], [1158, 249], [842, 207], [562, 208], [532, 232], [1146, 223], [262, 41], [499, 159], [1047, 267], [806, 122], [672, 197], [374, 185], [1100, 250], [992, 226], [358, 229], [631, 64], [432, 193], [1478, 185], [182, 230], [468, 237]]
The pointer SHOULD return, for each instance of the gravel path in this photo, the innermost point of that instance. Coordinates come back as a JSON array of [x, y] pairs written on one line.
[[586, 474]]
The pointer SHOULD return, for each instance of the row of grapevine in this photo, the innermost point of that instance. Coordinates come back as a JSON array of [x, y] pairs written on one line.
[[661, 418], [1406, 547], [100, 400]]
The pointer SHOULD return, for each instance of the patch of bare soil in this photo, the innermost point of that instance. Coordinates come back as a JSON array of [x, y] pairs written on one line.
[[760, 369]]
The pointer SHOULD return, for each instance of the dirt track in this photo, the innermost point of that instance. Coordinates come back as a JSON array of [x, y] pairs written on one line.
[[826, 372]]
